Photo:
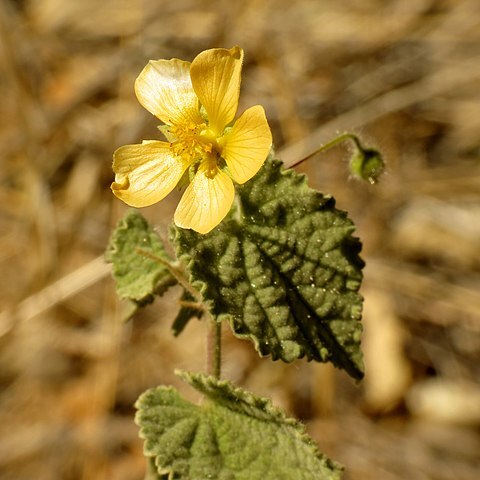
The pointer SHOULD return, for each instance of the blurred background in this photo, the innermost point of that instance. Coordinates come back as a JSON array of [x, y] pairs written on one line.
[[404, 75]]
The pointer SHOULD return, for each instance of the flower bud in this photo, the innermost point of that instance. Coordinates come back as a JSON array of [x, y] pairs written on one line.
[[367, 164]]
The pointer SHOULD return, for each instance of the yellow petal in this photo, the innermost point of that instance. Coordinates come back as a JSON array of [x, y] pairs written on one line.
[[164, 88], [216, 80], [146, 173], [206, 201], [247, 145]]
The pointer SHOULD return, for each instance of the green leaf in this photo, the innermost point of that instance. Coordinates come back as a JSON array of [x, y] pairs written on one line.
[[232, 436], [136, 251], [185, 314], [284, 270]]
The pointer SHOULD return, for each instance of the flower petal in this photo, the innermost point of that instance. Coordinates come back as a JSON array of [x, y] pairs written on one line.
[[164, 88], [215, 77], [146, 173], [247, 145], [206, 201]]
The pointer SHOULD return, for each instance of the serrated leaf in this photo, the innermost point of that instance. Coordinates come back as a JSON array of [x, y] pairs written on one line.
[[133, 251], [284, 270], [152, 473], [233, 436]]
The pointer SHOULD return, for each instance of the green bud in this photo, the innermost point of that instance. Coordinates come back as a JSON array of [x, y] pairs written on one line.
[[367, 164]]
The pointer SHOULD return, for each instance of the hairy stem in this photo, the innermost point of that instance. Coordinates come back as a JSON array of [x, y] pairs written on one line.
[[175, 270], [335, 141], [214, 328], [214, 346]]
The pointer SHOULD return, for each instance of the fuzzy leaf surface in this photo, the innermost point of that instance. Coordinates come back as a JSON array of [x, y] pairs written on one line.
[[134, 250], [284, 270], [234, 435]]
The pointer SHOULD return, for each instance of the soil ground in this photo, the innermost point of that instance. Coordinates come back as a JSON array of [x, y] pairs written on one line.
[[404, 75]]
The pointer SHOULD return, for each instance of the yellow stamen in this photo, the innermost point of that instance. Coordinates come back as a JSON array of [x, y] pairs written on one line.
[[193, 142]]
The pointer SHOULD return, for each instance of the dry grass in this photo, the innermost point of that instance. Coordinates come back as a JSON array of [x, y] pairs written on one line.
[[404, 75]]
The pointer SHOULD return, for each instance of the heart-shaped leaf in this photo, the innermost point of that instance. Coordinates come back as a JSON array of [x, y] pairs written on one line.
[[283, 269], [232, 436]]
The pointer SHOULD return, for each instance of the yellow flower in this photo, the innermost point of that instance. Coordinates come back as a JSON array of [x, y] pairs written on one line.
[[197, 102]]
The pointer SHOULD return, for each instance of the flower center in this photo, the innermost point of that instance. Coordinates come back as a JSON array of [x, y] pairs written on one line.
[[193, 142]]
